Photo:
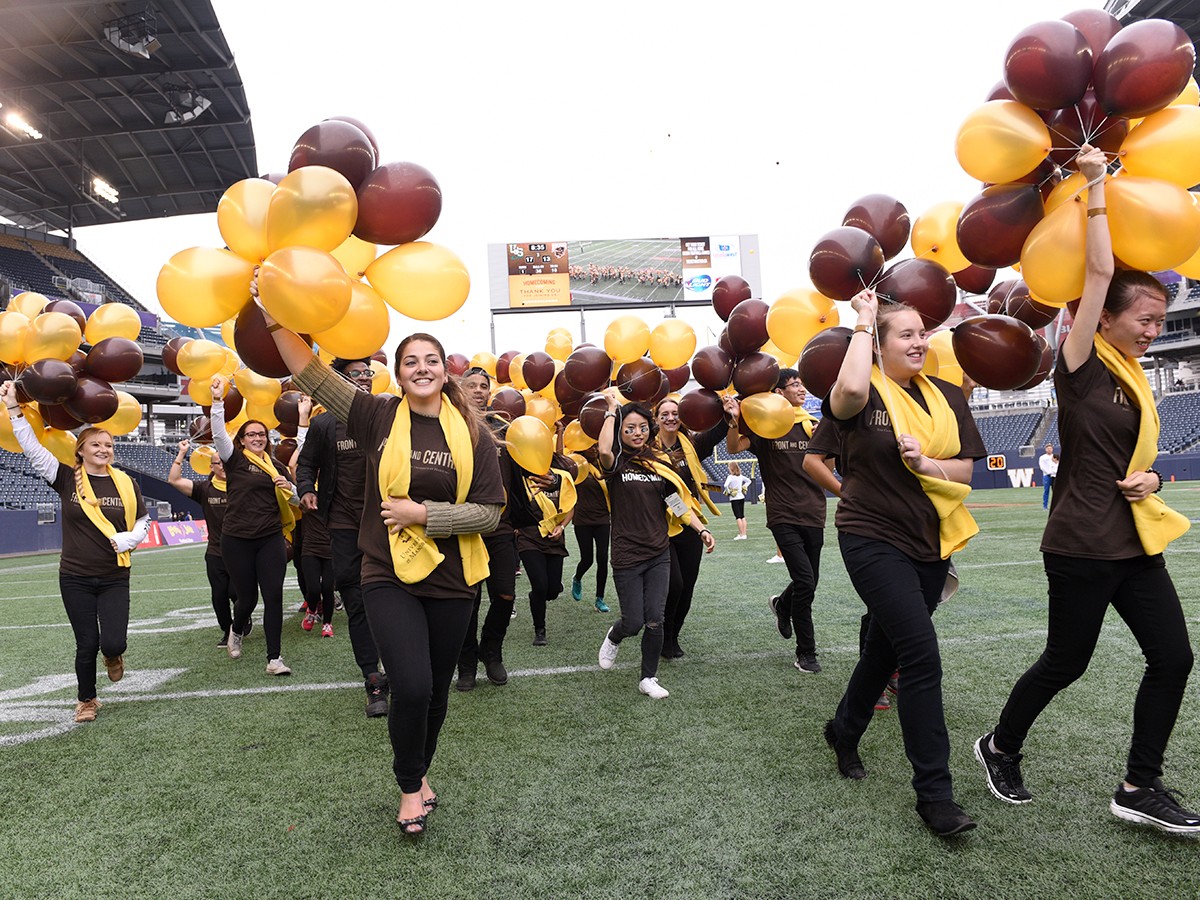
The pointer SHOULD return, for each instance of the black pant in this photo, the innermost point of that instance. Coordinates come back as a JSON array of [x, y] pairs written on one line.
[[642, 594], [347, 575], [544, 572], [801, 550], [687, 549], [256, 564], [739, 508], [297, 555], [223, 596], [419, 639], [98, 610], [586, 536], [501, 586], [1081, 590], [318, 585], [901, 594]]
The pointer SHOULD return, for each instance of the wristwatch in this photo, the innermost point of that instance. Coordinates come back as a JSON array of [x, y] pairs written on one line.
[[869, 329]]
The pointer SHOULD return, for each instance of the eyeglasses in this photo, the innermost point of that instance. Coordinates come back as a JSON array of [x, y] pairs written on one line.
[[254, 434], [360, 373]]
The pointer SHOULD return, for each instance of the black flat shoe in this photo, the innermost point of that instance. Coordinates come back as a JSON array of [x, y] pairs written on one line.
[[944, 817], [848, 761]]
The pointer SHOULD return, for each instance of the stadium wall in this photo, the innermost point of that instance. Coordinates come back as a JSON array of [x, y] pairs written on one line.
[[21, 533], [1023, 471]]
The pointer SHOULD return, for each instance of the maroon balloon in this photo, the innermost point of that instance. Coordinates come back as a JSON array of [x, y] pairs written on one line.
[[233, 403], [679, 377], [287, 408], [397, 203], [747, 326], [700, 410], [1097, 26], [724, 343], [639, 380], [171, 351], [76, 361], [538, 370], [502, 363], [457, 364], [591, 415], [255, 345], [284, 451], [728, 292], [361, 126], [1048, 65], [1044, 367], [1143, 68], [845, 261], [1084, 123], [755, 373], [337, 145], [1045, 176], [71, 308], [994, 224], [974, 279], [564, 393], [49, 381], [1000, 91], [509, 403], [924, 285], [56, 416], [273, 177], [998, 352], [712, 367], [200, 430], [114, 359], [93, 400], [588, 369], [882, 217], [664, 388], [380, 357], [1012, 298], [822, 359]]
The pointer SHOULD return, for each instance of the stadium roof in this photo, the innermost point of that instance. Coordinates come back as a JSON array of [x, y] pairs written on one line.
[[144, 95], [1184, 13]]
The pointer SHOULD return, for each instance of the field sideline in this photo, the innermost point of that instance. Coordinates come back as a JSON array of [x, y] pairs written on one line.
[[204, 777]]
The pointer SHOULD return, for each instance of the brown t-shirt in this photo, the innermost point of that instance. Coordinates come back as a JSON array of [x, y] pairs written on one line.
[[346, 509], [703, 443], [315, 541], [252, 511], [881, 498], [213, 504], [85, 550], [639, 517], [433, 478], [590, 506], [793, 498], [1098, 427], [497, 428]]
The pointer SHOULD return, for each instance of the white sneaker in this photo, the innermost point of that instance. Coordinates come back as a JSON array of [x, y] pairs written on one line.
[[608, 652], [235, 644], [278, 667], [740, 537], [652, 689], [775, 559]]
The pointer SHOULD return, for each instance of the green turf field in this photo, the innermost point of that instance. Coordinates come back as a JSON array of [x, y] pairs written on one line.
[[204, 777]]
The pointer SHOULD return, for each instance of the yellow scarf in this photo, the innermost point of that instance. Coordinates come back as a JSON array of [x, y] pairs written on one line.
[[699, 476], [91, 506], [803, 415], [1157, 524], [937, 432], [415, 556], [218, 484], [287, 516], [553, 514], [674, 523]]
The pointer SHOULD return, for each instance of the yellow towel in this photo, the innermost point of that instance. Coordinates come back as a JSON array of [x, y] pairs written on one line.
[[287, 515], [91, 506], [553, 514]]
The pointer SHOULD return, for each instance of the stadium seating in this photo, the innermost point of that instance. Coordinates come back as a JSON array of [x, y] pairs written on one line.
[[1006, 432], [1180, 418], [20, 487], [150, 459]]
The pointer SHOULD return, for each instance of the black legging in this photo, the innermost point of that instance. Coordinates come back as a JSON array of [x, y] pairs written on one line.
[[318, 585], [419, 639], [502, 587], [256, 564], [586, 536], [223, 596], [687, 549], [98, 610], [347, 569], [544, 572]]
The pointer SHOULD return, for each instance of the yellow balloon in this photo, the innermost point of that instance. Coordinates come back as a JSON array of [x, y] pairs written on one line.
[[1189, 96], [516, 375], [127, 417], [362, 330], [355, 255], [8, 440], [200, 390], [786, 360], [531, 444], [575, 439], [52, 335], [559, 346], [627, 338], [232, 364], [1166, 146], [313, 206], [227, 328], [256, 388], [1052, 260], [382, 381], [264, 412], [232, 426], [204, 286], [28, 304], [1072, 189], [60, 443], [935, 234], [421, 280], [14, 327], [941, 346], [768, 415], [930, 368], [672, 343], [113, 320], [487, 362], [201, 359], [202, 458], [1154, 224], [797, 316], [242, 218], [305, 290], [1001, 141], [542, 408]]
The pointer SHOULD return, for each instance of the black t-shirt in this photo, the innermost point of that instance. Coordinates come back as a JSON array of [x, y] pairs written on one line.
[[346, 509], [213, 504], [639, 518], [793, 498], [85, 550], [252, 510]]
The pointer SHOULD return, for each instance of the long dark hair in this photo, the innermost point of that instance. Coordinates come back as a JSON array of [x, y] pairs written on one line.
[[451, 389], [1127, 285], [623, 455]]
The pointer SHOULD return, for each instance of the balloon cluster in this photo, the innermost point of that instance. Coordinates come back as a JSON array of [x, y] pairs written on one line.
[[64, 365]]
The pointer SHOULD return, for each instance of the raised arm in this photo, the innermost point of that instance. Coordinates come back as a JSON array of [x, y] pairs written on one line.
[[852, 389], [604, 443], [1077, 346], [216, 415], [735, 441], [39, 457], [175, 476]]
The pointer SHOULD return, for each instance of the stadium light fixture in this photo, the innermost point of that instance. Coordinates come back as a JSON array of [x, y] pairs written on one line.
[[186, 104], [135, 34], [104, 191], [16, 122]]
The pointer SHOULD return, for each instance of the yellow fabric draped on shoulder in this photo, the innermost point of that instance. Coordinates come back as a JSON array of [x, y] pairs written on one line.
[[553, 513], [287, 516], [1157, 524], [800, 414], [414, 554], [218, 483], [674, 523], [937, 431], [698, 475], [91, 507]]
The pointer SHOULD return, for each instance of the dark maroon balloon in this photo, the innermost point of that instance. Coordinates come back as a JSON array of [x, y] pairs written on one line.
[[1097, 26], [1000, 91], [56, 416], [639, 380], [724, 343], [747, 326], [49, 381], [287, 408], [380, 357], [998, 352], [509, 403], [255, 345], [114, 359], [974, 279], [664, 388], [1045, 176], [1085, 122], [728, 292], [712, 368], [1044, 367], [503, 376], [564, 393], [171, 351], [538, 370], [284, 451], [677, 378], [700, 410], [755, 373], [361, 126], [457, 364], [93, 400], [1143, 68], [397, 203], [924, 285], [845, 261], [1011, 298], [337, 145], [822, 358], [994, 224], [1048, 65], [233, 404], [200, 430], [71, 308], [591, 415], [882, 217], [588, 369], [76, 361]]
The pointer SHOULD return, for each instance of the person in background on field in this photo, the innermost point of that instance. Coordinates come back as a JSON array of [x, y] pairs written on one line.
[[736, 485], [543, 546], [316, 556], [592, 524], [1048, 463], [103, 521]]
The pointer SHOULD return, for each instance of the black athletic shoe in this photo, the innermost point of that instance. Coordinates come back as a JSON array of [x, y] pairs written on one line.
[[1003, 772], [539, 637], [466, 681], [377, 695], [1157, 806], [807, 663], [496, 673], [848, 761], [783, 618], [944, 817]]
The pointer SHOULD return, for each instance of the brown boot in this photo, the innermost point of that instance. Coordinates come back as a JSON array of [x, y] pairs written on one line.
[[85, 710], [115, 666]]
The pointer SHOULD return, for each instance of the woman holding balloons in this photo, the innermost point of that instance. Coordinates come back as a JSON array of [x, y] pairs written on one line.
[[103, 521], [593, 525], [906, 446], [1107, 531]]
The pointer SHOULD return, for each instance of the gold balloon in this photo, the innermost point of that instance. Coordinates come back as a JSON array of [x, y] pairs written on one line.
[[52, 335], [227, 328], [1053, 260], [362, 330], [559, 346], [382, 381], [935, 235], [8, 440], [768, 415], [575, 439], [60, 443], [421, 280], [113, 320], [256, 388], [28, 304], [672, 343], [204, 286], [543, 409], [264, 412], [786, 360], [313, 206], [127, 417], [1072, 189], [202, 458], [232, 364], [14, 327], [531, 444], [487, 362], [1154, 224], [200, 390], [797, 316], [355, 255], [941, 346], [304, 290], [516, 373], [627, 338], [242, 218], [201, 359], [1189, 96], [1001, 141], [1166, 145], [931, 362]]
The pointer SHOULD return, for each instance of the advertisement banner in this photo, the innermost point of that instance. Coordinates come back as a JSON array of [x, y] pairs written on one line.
[[176, 533]]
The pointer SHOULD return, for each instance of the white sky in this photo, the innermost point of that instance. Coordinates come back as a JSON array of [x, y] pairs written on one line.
[[577, 121]]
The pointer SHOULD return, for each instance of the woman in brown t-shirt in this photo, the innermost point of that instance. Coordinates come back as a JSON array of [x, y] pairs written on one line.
[[103, 521]]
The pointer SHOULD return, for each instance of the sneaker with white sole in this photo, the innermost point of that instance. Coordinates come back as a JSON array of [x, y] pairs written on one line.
[[608, 652], [1157, 806], [278, 667], [807, 663], [775, 559], [327, 630], [234, 644], [652, 689], [1003, 772]]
